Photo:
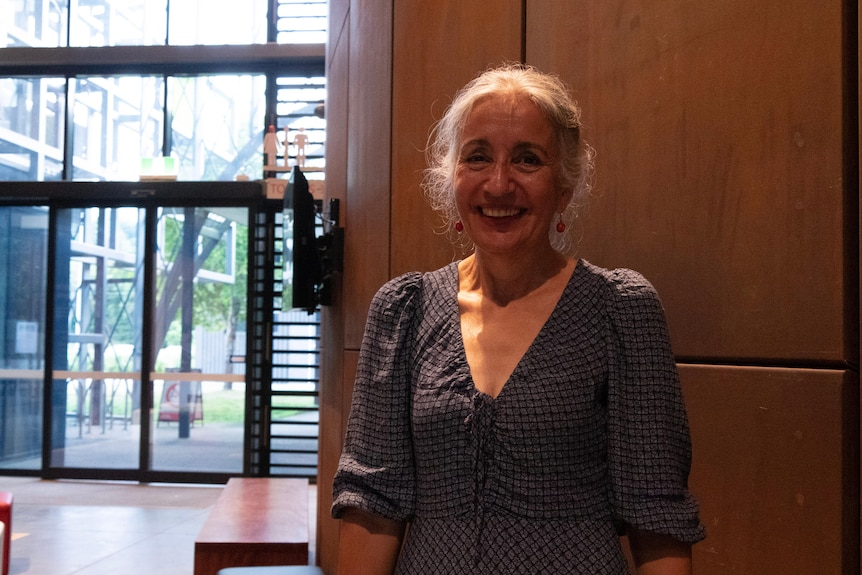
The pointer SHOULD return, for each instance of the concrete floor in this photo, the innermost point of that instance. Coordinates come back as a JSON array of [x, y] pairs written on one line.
[[110, 528]]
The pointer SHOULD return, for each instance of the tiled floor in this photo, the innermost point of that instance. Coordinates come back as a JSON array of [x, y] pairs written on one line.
[[96, 528]]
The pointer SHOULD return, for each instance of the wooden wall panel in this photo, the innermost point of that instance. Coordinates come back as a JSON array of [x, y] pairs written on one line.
[[336, 421], [332, 318], [718, 129], [777, 483], [720, 140], [439, 46], [358, 144], [367, 222]]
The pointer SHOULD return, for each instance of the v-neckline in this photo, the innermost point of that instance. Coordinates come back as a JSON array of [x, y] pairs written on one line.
[[456, 315]]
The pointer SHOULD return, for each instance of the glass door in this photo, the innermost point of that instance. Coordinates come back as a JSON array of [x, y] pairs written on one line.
[[97, 351], [198, 383], [148, 345], [23, 287]]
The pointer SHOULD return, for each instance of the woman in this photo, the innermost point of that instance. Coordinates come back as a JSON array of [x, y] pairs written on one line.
[[520, 408]]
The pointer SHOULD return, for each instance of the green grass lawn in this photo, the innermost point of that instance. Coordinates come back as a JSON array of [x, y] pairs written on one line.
[[225, 406]]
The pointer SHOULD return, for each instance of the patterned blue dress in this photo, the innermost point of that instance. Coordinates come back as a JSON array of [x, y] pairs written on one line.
[[587, 436]]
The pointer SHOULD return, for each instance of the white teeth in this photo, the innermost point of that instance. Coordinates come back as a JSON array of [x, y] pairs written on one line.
[[498, 212]]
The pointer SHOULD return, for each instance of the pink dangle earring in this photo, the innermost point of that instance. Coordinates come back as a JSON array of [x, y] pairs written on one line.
[[561, 225], [459, 227]]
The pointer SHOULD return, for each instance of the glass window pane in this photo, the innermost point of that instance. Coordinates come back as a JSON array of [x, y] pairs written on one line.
[[217, 126], [23, 248], [302, 21], [96, 394], [31, 128], [118, 23], [297, 100], [33, 23], [116, 121], [217, 22], [145, 22], [200, 320]]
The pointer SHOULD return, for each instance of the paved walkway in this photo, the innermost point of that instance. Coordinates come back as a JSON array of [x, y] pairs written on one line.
[[213, 448]]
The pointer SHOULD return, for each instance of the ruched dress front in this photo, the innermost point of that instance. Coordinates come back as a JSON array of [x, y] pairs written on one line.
[[589, 434]]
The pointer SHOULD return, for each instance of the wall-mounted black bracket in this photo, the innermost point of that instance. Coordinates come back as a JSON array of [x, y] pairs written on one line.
[[330, 249]]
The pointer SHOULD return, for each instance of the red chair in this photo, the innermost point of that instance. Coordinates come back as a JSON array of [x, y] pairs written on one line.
[[6, 519]]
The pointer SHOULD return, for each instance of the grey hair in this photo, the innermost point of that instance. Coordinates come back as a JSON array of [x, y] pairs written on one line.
[[552, 98]]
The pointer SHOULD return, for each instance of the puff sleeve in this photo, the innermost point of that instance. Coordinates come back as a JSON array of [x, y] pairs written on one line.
[[376, 469], [649, 446]]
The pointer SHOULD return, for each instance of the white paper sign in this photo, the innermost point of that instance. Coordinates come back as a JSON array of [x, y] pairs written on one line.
[[27, 337]]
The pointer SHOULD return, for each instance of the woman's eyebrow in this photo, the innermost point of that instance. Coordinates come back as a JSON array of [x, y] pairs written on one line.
[[475, 142], [531, 146]]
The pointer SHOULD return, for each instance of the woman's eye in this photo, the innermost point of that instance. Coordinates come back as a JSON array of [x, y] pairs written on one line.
[[529, 161]]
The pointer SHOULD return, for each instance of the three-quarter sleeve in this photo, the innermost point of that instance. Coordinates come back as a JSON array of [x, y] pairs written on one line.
[[376, 469], [648, 435]]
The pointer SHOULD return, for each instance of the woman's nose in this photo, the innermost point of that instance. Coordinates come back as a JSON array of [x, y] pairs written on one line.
[[500, 181]]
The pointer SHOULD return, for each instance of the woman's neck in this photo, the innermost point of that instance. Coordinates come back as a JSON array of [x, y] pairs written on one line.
[[504, 279]]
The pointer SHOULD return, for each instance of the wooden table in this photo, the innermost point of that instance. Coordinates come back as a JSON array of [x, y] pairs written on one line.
[[255, 521]]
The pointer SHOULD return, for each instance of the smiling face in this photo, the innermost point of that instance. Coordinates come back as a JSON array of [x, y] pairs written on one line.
[[506, 179]]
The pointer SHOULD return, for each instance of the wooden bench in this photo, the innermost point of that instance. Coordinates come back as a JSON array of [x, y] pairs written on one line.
[[256, 521], [280, 570]]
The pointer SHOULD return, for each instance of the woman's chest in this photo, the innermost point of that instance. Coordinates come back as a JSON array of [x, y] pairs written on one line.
[[555, 395]]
